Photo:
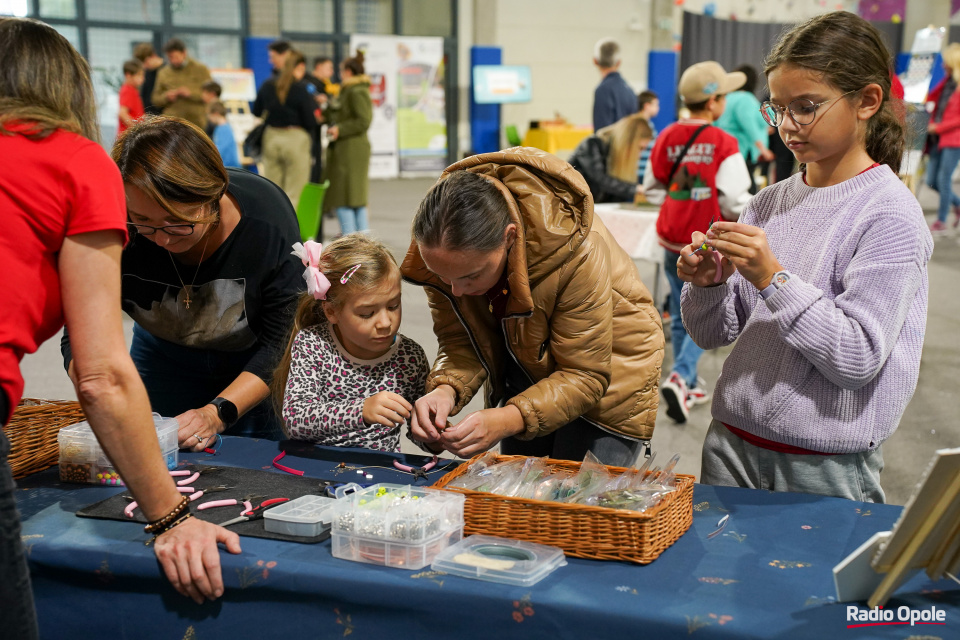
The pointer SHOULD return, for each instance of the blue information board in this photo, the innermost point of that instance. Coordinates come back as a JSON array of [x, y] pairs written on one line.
[[498, 84]]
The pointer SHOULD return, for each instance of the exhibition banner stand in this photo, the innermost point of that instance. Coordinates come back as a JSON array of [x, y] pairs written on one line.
[[238, 90], [380, 63], [408, 135]]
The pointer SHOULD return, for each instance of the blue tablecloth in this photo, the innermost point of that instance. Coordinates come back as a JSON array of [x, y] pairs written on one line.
[[766, 575]]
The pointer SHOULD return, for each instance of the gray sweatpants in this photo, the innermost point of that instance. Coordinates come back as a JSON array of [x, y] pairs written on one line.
[[730, 461]]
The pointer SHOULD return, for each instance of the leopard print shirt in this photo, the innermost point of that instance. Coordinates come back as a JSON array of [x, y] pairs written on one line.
[[326, 389]]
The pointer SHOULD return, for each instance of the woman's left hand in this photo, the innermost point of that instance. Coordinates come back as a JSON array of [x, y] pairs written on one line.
[[481, 430], [747, 248], [197, 427]]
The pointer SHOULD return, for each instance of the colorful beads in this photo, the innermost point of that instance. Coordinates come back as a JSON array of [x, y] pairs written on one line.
[[110, 477]]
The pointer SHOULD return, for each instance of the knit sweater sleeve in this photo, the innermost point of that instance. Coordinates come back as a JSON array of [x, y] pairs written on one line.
[[848, 338], [713, 316]]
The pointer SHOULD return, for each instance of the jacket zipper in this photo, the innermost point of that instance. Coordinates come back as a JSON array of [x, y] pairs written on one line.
[[506, 340], [456, 310]]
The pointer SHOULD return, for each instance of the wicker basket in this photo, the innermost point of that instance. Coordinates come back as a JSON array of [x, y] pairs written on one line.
[[598, 533], [33, 433]]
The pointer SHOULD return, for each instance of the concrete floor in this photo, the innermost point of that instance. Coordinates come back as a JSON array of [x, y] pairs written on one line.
[[930, 422]]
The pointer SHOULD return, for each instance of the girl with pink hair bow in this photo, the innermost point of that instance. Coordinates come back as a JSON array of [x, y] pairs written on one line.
[[347, 377]]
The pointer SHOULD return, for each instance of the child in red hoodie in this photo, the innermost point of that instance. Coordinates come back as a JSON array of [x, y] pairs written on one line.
[[697, 175]]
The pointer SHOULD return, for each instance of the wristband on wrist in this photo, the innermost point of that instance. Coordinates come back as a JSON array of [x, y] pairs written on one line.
[[779, 280], [165, 522]]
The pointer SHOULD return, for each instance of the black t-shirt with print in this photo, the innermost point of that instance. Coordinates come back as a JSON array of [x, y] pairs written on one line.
[[244, 293]]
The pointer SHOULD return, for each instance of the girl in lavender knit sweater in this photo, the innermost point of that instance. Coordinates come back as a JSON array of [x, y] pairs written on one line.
[[822, 283]]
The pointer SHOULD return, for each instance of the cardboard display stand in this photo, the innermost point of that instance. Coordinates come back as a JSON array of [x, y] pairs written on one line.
[[238, 90], [927, 536]]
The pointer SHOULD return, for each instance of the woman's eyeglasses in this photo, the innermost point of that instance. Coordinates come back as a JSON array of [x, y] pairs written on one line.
[[802, 111], [169, 229]]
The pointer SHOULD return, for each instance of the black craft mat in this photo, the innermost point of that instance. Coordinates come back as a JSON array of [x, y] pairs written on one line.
[[244, 481], [382, 468]]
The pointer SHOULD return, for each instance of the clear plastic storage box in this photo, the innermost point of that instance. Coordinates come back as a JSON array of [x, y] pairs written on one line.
[[306, 516], [501, 560], [82, 459], [395, 525]]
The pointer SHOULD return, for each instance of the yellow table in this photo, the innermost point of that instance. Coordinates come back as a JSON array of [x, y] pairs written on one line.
[[553, 139]]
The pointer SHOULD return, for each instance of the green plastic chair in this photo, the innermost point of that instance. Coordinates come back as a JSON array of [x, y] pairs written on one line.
[[310, 210], [513, 138]]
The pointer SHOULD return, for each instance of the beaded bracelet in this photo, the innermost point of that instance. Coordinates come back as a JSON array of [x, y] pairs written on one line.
[[186, 516], [163, 523]]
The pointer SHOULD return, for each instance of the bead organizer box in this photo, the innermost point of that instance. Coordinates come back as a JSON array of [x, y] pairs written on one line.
[[82, 459], [395, 525]]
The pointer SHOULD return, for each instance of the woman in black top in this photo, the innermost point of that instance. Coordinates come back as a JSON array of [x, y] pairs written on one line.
[[209, 279], [287, 139]]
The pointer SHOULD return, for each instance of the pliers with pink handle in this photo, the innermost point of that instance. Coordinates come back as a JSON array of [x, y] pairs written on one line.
[[245, 501], [128, 511], [192, 478]]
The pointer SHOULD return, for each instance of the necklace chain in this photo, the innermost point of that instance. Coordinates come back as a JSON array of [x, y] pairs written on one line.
[[187, 291], [502, 292]]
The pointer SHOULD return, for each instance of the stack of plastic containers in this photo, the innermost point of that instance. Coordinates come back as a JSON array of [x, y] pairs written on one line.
[[306, 516], [395, 525], [82, 459]]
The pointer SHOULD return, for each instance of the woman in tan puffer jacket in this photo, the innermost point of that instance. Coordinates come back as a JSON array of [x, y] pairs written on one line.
[[531, 295]]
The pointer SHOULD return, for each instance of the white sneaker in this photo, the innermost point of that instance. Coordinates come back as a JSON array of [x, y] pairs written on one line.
[[697, 395], [674, 391]]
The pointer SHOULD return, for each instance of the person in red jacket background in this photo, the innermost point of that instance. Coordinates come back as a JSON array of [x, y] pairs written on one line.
[[943, 143]]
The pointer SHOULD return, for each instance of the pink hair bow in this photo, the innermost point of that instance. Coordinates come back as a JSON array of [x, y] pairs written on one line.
[[309, 254]]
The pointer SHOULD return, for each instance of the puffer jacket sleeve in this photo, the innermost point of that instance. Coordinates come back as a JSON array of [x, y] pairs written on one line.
[[457, 363], [581, 343]]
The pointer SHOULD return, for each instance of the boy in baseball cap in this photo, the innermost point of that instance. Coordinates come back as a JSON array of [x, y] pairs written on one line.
[[697, 175]]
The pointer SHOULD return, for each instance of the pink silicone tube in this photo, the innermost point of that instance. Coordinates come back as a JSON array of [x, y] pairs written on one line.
[[189, 480], [216, 503]]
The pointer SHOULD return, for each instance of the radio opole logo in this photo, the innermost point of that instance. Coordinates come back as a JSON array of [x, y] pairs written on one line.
[[858, 617]]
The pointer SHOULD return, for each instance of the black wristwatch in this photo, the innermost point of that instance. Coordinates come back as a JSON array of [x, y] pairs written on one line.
[[226, 410]]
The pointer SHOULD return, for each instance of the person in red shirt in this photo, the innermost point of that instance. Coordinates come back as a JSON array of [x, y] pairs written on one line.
[[64, 219], [697, 175], [131, 105]]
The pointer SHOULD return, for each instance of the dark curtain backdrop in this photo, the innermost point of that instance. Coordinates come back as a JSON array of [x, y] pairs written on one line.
[[733, 43]]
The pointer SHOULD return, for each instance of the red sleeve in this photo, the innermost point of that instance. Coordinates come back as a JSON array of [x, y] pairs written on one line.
[[130, 98], [896, 87], [951, 115], [94, 193]]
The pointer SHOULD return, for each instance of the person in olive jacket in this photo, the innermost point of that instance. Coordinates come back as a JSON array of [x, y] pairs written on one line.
[[531, 295], [348, 156], [177, 89]]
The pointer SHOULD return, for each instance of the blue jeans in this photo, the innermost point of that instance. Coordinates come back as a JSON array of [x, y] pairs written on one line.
[[182, 378], [19, 616], [946, 164], [352, 219], [686, 354]]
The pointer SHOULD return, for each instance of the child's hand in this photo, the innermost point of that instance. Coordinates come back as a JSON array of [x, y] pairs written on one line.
[[747, 248], [386, 408], [431, 412], [699, 266]]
